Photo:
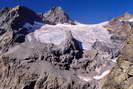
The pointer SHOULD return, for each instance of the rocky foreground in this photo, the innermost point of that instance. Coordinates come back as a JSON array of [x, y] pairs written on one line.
[[50, 51]]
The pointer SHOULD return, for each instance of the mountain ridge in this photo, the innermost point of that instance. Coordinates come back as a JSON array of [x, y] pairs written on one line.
[[57, 53]]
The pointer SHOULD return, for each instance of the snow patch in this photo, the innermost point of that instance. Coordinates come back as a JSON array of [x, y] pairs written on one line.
[[86, 79], [98, 77], [114, 60], [130, 20]]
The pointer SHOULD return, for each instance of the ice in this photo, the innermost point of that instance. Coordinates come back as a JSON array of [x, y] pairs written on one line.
[[33, 27], [55, 37], [28, 26], [87, 34]]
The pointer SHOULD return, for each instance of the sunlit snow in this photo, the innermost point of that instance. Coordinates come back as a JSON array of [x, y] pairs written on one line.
[[128, 20]]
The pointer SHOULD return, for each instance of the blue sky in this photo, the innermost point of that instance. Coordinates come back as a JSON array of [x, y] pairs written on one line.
[[85, 11]]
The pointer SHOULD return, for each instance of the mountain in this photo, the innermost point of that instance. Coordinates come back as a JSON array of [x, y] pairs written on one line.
[[56, 15], [51, 51]]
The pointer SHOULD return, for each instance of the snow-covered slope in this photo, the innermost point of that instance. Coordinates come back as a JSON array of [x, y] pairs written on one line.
[[86, 34]]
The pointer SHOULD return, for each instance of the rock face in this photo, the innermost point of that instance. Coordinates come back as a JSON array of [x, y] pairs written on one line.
[[40, 66], [49, 52], [11, 25], [121, 27], [121, 76], [56, 15]]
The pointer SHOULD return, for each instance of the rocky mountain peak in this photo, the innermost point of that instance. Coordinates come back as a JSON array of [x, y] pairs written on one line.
[[56, 15], [125, 17], [18, 7], [18, 16], [26, 14], [57, 8], [12, 21]]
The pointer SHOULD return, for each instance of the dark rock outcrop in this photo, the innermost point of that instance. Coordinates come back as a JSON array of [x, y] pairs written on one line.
[[11, 25]]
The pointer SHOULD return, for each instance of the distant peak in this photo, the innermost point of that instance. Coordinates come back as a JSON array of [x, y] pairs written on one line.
[[57, 8], [127, 14], [56, 15], [22, 9], [17, 7], [26, 14]]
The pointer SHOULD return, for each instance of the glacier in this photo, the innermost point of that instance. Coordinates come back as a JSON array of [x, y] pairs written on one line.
[[87, 34]]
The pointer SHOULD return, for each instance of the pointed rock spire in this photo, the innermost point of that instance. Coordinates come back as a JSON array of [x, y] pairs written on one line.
[[56, 15]]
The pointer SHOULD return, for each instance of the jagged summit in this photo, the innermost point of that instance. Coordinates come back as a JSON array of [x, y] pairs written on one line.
[[18, 21], [56, 15], [26, 14], [57, 8], [125, 17], [12, 21], [18, 7]]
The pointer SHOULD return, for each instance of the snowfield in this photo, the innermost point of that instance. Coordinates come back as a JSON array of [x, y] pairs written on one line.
[[86, 34]]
